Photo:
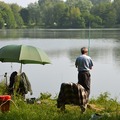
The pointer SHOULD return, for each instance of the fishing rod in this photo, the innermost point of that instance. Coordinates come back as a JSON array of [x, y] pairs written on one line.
[[89, 40]]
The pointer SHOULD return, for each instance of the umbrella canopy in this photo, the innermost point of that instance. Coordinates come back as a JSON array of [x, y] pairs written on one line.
[[23, 54]]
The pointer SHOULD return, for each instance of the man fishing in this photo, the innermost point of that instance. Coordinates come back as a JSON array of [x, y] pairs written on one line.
[[84, 64]]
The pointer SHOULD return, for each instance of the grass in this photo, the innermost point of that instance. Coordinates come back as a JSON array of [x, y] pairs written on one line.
[[108, 108]]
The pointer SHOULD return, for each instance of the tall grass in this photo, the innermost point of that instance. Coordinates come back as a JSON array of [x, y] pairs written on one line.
[[46, 109]]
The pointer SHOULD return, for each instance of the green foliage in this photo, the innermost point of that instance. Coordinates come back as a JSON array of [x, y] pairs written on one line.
[[83, 5], [25, 15], [116, 6], [104, 100], [3, 88], [61, 14], [1, 21], [10, 16], [34, 14], [16, 12], [47, 109], [7, 15], [100, 1], [45, 96], [106, 12]]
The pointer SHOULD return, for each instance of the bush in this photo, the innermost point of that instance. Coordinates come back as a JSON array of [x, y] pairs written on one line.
[[45, 96]]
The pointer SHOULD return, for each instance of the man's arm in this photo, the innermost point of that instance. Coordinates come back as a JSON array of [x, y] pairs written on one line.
[[76, 65]]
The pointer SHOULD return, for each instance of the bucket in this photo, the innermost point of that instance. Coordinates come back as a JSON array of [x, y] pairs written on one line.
[[5, 102]]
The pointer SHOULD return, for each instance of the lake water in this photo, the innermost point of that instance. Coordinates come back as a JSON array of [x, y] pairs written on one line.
[[62, 47]]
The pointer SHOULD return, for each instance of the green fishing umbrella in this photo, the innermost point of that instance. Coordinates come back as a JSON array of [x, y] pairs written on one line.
[[23, 54]]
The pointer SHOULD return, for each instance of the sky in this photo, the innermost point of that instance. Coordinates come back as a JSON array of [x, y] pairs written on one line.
[[22, 3]]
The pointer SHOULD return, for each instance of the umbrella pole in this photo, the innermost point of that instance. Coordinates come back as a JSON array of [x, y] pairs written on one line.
[[20, 68]]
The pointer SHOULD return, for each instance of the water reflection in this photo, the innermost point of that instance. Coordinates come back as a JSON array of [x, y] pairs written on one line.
[[116, 55], [60, 33]]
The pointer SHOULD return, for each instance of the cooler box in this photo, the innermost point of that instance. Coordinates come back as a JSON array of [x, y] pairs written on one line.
[[5, 103]]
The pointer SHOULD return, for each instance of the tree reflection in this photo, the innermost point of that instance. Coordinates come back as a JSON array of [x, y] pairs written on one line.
[[116, 55]]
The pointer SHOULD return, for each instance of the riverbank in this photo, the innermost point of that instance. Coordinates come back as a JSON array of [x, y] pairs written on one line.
[[44, 108]]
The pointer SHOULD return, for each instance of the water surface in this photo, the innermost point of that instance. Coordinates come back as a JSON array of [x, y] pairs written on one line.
[[63, 46]]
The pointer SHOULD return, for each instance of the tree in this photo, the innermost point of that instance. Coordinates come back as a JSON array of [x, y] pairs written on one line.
[[7, 15], [106, 12], [25, 15], [1, 22], [47, 11], [110, 19], [34, 14], [116, 6], [60, 13], [16, 12], [75, 18], [83, 5], [95, 2], [92, 20]]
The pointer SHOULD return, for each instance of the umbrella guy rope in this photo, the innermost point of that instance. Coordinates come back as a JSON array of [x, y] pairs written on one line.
[[7, 101]]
